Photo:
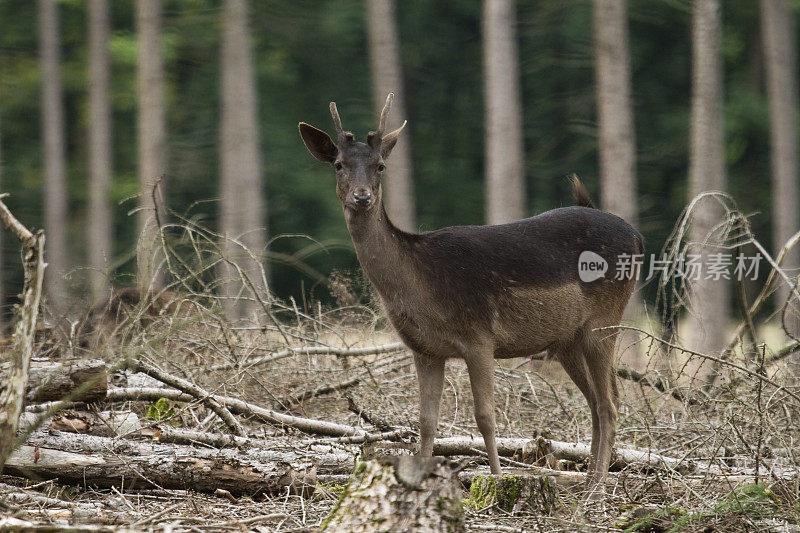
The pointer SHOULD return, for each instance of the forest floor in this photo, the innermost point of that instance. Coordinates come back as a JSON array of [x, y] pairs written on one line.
[[734, 441]]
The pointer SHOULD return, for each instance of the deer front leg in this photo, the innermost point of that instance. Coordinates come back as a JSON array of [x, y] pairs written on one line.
[[430, 376], [481, 378]]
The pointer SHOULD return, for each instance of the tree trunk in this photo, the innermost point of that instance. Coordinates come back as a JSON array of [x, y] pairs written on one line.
[[778, 34], [708, 298], [100, 152], [152, 139], [55, 193], [505, 173], [616, 137], [242, 207], [387, 77], [2, 291], [104, 462], [399, 493], [616, 132]]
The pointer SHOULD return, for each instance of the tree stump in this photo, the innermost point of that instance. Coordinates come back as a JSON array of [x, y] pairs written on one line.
[[514, 494], [399, 493]]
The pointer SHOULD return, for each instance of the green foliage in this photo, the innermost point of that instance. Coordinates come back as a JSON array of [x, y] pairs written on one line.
[[740, 506], [160, 410]]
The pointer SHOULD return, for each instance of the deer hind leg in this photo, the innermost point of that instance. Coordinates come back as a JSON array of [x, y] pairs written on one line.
[[430, 376], [573, 360], [481, 378], [599, 352]]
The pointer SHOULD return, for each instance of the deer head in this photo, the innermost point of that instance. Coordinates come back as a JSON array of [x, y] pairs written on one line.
[[358, 166]]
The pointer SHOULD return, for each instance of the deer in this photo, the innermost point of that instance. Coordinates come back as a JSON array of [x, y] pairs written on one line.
[[480, 293]]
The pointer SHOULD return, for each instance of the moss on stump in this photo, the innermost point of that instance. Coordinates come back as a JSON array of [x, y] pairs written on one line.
[[513, 494]]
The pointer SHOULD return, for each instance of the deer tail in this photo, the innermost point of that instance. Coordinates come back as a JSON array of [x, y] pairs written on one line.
[[580, 193]]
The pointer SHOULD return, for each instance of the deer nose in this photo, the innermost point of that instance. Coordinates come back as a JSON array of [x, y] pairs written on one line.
[[362, 197]]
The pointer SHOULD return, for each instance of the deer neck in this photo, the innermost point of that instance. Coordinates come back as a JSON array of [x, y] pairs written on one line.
[[383, 250]]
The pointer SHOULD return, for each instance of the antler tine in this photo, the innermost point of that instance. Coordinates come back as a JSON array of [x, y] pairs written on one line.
[[385, 113], [336, 120]]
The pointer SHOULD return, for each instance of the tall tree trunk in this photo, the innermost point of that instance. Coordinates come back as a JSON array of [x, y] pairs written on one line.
[[2, 292], [55, 193], [616, 133], [709, 298], [386, 66], [100, 155], [242, 207], [505, 173], [778, 34], [615, 110], [152, 137]]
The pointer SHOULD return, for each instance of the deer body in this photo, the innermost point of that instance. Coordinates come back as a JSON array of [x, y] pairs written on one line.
[[483, 292]]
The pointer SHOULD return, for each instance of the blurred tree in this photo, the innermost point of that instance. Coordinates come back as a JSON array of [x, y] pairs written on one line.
[[386, 71], [152, 139], [2, 255], [242, 213], [505, 175], [616, 135], [558, 82], [55, 193], [100, 152], [709, 297], [779, 42]]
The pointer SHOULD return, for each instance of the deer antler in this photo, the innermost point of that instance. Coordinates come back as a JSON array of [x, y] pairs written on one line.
[[336, 120], [342, 136], [385, 113], [374, 138]]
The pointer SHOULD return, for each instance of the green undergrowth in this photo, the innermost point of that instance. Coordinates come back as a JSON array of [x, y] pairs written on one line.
[[739, 509]]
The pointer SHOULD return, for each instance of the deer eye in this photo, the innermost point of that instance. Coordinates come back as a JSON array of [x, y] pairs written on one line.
[[381, 167], [338, 165]]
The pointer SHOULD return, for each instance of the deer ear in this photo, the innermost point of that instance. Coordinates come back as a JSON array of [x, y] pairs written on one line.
[[318, 143], [390, 139]]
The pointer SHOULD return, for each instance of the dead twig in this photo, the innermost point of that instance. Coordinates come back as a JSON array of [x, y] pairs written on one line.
[[12, 391]]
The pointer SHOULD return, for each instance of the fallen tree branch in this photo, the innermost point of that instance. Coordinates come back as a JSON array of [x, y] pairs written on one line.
[[188, 387], [310, 350], [240, 407], [12, 389]]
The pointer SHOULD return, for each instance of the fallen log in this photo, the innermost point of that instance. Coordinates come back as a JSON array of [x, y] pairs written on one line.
[[50, 381], [240, 407], [530, 450], [399, 493], [101, 424], [309, 350], [103, 462]]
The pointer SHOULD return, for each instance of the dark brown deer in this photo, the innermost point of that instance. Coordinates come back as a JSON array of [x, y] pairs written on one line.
[[483, 292]]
